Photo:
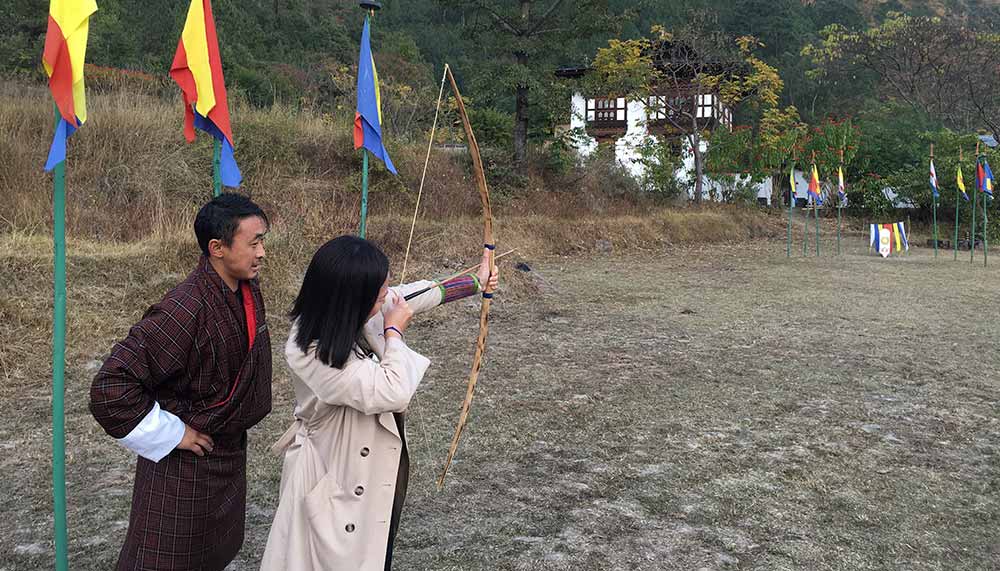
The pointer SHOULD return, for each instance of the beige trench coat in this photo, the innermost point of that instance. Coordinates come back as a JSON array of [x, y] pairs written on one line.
[[341, 455]]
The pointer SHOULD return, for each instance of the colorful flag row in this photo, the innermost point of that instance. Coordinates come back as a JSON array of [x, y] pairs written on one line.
[[197, 69]]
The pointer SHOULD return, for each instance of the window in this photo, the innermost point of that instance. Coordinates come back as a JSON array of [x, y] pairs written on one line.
[[606, 110], [663, 107], [706, 106]]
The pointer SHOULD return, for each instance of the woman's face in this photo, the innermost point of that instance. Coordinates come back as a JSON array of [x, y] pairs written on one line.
[[382, 293]]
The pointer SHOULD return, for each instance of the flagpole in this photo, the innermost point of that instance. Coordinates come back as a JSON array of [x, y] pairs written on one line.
[[816, 212], [364, 190], [957, 190], [816, 205], [975, 204], [805, 230], [934, 200], [840, 201], [216, 167], [791, 204], [986, 239], [369, 6], [59, 363]]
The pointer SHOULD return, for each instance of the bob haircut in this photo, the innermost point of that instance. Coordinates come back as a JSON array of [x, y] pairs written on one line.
[[340, 288]]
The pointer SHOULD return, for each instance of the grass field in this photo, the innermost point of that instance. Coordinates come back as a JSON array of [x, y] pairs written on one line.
[[715, 408]]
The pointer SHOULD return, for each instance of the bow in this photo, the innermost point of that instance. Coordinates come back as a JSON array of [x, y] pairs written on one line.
[[484, 311]]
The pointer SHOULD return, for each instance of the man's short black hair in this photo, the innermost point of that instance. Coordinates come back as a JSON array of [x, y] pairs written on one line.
[[219, 219]]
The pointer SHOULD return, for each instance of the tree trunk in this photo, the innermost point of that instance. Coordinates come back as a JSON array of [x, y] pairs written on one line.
[[521, 100], [521, 119], [778, 190]]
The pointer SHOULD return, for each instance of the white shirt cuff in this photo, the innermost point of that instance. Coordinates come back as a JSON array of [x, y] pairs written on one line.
[[156, 436]]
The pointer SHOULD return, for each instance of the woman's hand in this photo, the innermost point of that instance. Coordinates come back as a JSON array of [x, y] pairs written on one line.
[[487, 278], [399, 315]]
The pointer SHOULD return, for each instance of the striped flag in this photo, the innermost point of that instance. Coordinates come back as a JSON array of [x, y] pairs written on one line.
[[368, 118], [65, 51], [197, 69], [934, 182], [961, 183], [841, 187], [791, 181], [985, 176], [814, 186]]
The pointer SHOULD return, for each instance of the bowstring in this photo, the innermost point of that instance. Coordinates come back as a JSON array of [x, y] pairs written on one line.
[[409, 242]]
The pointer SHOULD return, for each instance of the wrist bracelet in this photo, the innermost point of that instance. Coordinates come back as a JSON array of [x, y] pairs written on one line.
[[391, 328]]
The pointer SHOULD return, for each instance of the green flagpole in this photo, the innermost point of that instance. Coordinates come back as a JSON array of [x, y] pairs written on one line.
[[369, 6], [840, 201], [816, 212], [364, 190], [59, 364], [791, 205], [217, 168], [986, 239], [839, 223], [975, 203], [934, 198], [935, 230], [805, 230], [816, 205], [955, 241]]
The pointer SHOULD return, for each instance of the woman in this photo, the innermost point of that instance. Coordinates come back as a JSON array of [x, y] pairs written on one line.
[[346, 466]]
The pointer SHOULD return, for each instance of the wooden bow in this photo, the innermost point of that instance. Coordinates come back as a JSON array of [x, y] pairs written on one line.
[[484, 310]]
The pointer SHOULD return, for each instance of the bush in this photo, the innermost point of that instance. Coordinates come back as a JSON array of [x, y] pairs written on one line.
[[492, 125], [867, 198], [661, 163]]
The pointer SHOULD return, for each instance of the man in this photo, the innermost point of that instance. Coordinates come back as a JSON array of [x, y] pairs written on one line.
[[181, 391]]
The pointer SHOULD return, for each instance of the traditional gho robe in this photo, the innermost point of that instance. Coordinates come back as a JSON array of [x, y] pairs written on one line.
[[346, 464], [201, 357]]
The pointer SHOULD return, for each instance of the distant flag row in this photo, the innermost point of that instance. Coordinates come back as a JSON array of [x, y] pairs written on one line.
[[883, 236], [985, 182], [813, 189]]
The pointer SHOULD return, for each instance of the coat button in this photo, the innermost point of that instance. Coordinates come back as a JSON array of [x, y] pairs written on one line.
[[359, 490], [365, 451], [350, 528]]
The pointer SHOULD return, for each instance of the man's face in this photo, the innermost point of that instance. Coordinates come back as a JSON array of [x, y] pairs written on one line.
[[241, 260]]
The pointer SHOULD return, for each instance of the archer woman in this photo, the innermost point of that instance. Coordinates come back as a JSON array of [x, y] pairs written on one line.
[[346, 467]]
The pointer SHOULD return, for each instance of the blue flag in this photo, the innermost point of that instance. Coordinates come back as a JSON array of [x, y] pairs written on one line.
[[368, 118]]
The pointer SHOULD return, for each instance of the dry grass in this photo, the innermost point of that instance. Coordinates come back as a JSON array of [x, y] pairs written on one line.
[[689, 408]]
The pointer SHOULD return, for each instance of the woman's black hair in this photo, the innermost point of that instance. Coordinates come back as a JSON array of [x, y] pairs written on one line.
[[339, 290]]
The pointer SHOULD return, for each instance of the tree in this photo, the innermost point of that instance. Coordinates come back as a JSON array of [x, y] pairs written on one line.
[[521, 43], [938, 66], [761, 152], [666, 74]]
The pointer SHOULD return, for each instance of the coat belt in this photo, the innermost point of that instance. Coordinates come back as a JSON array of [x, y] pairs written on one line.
[[286, 440]]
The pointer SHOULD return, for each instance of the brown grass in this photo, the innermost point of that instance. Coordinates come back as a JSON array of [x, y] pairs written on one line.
[[716, 407], [131, 176]]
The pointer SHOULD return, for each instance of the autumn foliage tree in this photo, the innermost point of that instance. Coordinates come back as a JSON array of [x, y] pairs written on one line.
[[665, 73]]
